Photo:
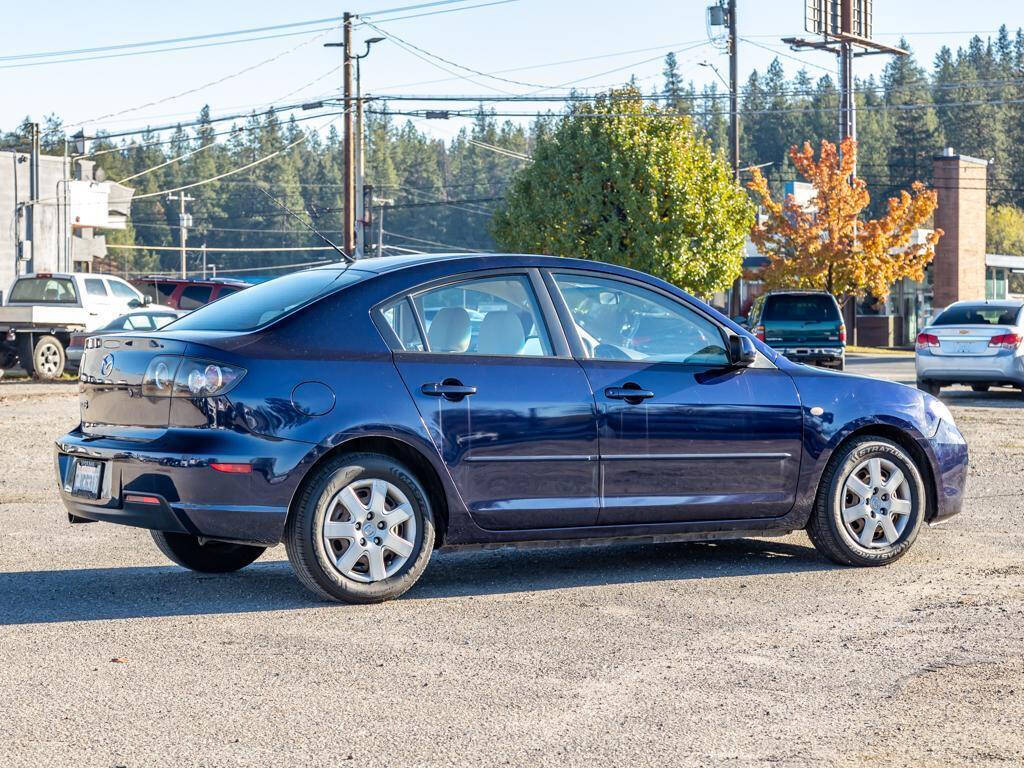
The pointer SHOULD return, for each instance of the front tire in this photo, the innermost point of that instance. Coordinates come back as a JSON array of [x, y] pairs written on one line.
[[208, 557], [870, 504], [362, 530]]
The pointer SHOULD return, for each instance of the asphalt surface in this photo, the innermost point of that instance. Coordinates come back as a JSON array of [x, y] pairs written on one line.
[[757, 652]]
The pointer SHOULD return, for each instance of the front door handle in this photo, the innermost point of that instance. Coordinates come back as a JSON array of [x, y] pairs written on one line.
[[630, 392], [450, 389]]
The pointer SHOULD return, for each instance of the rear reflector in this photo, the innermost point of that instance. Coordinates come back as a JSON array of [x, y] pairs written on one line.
[[132, 498], [234, 469]]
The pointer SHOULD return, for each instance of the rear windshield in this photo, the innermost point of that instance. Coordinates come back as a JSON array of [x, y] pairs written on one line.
[[266, 302], [978, 314], [45, 290], [814, 309]]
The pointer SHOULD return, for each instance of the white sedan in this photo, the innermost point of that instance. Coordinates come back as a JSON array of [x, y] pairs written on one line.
[[977, 343]]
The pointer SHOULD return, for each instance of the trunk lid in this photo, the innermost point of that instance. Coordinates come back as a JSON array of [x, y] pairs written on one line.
[[110, 384], [967, 340]]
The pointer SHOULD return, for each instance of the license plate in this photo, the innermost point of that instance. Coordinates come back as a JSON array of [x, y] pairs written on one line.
[[963, 349], [86, 481]]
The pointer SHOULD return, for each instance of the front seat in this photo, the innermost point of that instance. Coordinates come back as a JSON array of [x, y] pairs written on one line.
[[449, 332], [501, 333]]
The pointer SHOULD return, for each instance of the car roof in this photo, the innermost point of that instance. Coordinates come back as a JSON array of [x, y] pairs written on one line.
[[381, 265], [1000, 303]]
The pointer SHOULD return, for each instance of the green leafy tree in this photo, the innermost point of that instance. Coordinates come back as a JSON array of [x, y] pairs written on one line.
[[634, 187], [1005, 230]]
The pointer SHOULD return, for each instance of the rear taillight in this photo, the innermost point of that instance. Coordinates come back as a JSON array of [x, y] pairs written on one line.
[[842, 334], [927, 340], [168, 376], [1005, 341], [759, 332]]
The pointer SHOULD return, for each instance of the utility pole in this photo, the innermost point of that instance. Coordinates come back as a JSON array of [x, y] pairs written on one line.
[[33, 196], [360, 212], [734, 91], [349, 225], [184, 222], [845, 27]]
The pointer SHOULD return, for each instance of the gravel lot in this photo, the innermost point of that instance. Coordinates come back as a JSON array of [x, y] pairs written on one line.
[[745, 653]]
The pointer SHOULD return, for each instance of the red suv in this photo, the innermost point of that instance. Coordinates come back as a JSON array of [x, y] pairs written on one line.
[[187, 293]]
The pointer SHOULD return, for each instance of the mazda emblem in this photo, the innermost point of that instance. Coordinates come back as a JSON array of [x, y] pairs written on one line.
[[106, 364]]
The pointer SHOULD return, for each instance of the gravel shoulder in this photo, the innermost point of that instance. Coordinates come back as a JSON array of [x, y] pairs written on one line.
[[756, 652]]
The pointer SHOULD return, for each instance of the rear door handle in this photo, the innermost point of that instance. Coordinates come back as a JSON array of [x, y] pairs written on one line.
[[451, 389], [631, 393]]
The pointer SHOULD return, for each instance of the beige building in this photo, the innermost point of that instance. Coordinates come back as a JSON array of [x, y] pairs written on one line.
[[61, 229]]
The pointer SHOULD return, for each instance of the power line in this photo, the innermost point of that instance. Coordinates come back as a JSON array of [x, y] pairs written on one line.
[[392, 36], [210, 84]]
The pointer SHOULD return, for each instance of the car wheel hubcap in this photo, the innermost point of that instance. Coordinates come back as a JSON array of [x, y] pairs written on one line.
[[48, 359], [369, 530], [876, 503]]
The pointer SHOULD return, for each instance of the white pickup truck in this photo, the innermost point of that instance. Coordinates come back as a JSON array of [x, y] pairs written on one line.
[[42, 310]]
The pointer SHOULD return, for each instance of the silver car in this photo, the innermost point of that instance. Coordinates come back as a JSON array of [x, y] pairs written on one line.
[[150, 319], [977, 343]]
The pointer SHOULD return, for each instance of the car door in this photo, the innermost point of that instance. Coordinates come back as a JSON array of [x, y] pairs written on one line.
[[511, 412], [684, 436], [101, 306]]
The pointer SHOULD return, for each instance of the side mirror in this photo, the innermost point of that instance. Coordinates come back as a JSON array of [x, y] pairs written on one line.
[[147, 300], [742, 351], [134, 304]]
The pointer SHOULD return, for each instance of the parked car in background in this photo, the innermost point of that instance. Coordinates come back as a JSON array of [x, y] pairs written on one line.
[[327, 409], [187, 293], [977, 343], [42, 310], [805, 326], [143, 320]]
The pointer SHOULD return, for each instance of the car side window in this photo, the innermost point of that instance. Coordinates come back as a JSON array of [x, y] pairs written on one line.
[[622, 321], [486, 316], [195, 296], [122, 290], [94, 286], [139, 323], [399, 316]]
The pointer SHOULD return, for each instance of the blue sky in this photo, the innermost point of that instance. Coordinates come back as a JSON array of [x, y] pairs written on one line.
[[497, 37]]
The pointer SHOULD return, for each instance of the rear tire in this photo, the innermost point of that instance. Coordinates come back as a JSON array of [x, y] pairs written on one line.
[[48, 358], [930, 387], [878, 523], [342, 537], [211, 557], [979, 387]]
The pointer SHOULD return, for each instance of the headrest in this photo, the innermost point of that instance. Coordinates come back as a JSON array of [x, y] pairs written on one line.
[[449, 332]]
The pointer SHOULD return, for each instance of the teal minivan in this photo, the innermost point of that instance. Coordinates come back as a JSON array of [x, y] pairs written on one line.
[[805, 326]]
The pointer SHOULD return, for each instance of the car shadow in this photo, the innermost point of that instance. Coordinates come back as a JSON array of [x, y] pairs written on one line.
[[994, 398], [92, 594]]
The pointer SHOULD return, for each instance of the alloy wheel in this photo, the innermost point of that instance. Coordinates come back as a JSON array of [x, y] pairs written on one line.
[[369, 530], [876, 503]]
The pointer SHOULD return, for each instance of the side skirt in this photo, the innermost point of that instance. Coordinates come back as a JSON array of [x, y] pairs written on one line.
[[597, 541]]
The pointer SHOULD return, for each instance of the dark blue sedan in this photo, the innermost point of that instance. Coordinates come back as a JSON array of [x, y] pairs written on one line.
[[367, 414]]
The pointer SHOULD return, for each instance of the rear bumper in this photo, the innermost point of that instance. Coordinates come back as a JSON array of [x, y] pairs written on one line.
[[812, 353], [186, 495], [1001, 368]]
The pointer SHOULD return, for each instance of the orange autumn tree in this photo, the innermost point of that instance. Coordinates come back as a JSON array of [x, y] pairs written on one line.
[[826, 245]]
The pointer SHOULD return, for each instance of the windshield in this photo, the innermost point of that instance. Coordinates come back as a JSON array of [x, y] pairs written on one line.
[[45, 290], [978, 314], [266, 302], [806, 309]]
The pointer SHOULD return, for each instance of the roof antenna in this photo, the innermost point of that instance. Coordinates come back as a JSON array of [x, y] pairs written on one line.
[[348, 259]]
